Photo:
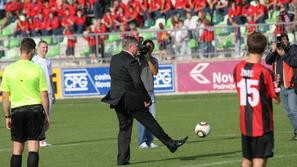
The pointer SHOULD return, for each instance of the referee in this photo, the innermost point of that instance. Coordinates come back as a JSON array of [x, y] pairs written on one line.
[[24, 92]]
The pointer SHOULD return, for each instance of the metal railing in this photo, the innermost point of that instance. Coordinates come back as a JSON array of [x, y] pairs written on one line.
[[223, 45]]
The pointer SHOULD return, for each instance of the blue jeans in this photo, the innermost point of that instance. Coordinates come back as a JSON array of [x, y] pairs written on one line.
[[144, 135], [289, 100]]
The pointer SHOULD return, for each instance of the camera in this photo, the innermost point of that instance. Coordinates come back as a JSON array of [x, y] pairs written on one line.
[[279, 41], [143, 49]]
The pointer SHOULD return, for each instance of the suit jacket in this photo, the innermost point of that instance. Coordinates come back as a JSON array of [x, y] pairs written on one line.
[[126, 83]]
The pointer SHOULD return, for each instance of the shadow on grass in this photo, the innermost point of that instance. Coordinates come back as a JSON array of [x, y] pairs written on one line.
[[199, 140], [190, 158], [195, 157]]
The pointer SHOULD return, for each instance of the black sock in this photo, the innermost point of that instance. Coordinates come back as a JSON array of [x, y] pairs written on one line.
[[16, 161], [33, 159]]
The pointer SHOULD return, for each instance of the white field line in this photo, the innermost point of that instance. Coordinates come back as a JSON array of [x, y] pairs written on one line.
[[88, 143], [237, 161]]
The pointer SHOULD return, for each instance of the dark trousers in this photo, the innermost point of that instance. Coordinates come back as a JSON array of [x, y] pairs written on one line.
[[125, 130]]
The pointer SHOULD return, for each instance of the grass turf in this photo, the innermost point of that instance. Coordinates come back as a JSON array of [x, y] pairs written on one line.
[[84, 134]]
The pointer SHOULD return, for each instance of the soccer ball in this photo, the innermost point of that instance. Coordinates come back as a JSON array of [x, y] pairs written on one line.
[[202, 129]]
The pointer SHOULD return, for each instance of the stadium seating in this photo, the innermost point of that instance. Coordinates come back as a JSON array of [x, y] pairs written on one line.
[[223, 35], [48, 40], [53, 51], [8, 30], [11, 54], [158, 21], [168, 24], [147, 35], [192, 43], [113, 37]]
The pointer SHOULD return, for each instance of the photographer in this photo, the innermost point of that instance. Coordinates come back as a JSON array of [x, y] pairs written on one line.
[[283, 57], [149, 67]]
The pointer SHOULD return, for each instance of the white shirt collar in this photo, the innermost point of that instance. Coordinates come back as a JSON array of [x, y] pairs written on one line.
[[129, 53]]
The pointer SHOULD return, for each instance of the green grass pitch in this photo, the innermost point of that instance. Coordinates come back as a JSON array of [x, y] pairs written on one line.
[[84, 134]]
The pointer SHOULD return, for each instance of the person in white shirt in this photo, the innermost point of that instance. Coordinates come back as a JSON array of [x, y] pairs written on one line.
[[46, 65], [181, 38], [191, 24]]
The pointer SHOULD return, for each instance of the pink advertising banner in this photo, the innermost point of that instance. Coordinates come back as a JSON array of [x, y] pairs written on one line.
[[206, 76]]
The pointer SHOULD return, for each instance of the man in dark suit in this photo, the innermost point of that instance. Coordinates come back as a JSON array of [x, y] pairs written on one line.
[[130, 99]]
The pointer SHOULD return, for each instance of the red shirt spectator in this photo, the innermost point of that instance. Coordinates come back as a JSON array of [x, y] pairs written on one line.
[[117, 5], [167, 6], [90, 38], [108, 19], [80, 20], [130, 14], [135, 3], [27, 8], [119, 18], [46, 9], [199, 4], [72, 9], [155, 5], [22, 26], [43, 23], [100, 28], [92, 2], [81, 2], [13, 6], [71, 40], [260, 9], [67, 20], [61, 9], [33, 26], [54, 22], [144, 6], [284, 1], [251, 27], [248, 10], [279, 28], [238, 2], [234, 10], [36, 8], [208, 32], [52, 3], [180, 4]]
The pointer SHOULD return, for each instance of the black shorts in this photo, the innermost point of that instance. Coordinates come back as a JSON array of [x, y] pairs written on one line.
[[258, 147], [69, 51], [27, 123], [93, 49]]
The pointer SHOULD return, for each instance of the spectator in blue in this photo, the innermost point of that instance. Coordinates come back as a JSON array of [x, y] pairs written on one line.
[[149, 67]]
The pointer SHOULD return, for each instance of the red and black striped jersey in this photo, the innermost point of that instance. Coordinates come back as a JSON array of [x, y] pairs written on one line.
[[255, 90]]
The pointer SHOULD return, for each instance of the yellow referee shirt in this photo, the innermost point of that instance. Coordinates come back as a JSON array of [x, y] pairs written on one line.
[[24, 81]]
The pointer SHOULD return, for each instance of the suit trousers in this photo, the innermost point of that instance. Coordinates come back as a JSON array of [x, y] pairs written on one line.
[[125, 130]]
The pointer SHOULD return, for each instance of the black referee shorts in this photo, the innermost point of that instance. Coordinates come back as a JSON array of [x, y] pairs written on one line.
[[258, 147], [27, 123]]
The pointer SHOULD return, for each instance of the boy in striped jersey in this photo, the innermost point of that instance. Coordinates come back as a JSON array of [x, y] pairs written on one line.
[[256, 91]]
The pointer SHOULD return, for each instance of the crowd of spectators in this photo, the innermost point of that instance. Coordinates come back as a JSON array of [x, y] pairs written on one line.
[[57, 17]]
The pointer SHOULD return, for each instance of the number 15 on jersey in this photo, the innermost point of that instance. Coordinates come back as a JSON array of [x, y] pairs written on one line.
[[248, 92]]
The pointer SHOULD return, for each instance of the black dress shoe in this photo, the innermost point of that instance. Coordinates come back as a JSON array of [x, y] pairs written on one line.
[[178, 143]]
